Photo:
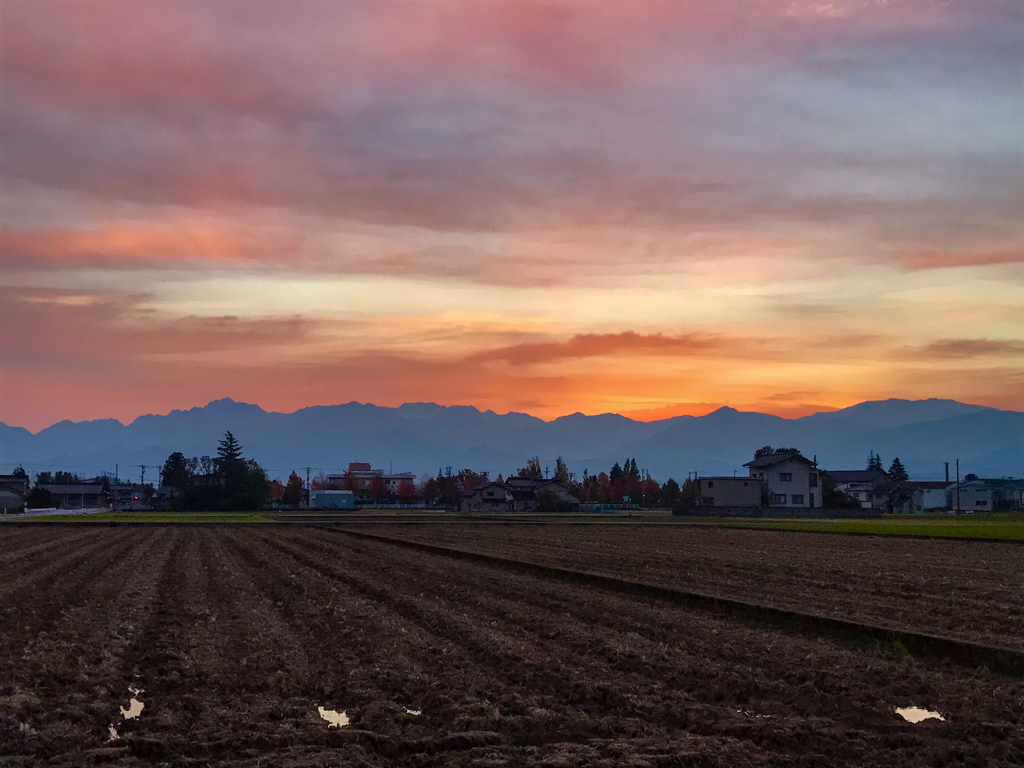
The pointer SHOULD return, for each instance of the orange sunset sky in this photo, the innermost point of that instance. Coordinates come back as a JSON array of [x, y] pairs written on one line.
[[650, 208]]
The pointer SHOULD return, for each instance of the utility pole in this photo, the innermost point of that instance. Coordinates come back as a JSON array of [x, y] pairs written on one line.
[[307, 486], [958, 486], [142, 477]]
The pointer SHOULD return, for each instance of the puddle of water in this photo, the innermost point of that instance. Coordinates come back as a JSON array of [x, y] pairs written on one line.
[[413, 712], [916, 714], [334, 719], [113, 733], [135, 706]]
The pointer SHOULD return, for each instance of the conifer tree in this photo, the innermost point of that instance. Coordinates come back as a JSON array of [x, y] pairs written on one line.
[[875, 462], [897, 471], [229, 448]]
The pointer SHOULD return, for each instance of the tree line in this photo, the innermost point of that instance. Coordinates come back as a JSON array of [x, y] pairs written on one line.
[[225, 482]]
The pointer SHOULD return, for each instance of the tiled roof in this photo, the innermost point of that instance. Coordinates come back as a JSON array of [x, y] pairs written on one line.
[[775, 458], [857, 475], [74, 489], [924, 485]]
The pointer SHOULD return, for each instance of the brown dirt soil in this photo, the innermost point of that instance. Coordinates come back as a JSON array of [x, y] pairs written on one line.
[[970, 590], [237, 635]]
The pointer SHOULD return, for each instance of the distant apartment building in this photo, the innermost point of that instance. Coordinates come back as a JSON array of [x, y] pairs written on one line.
[[730, 492], [791, 479], [360, 476]]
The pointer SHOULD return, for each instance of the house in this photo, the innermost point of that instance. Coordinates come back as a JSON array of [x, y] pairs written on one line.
[[927, 496], [528, 493], [13, 490], [729, 492], [863, 485], [975, 496], [1009, 493], [909, 497], [79, 495], [488, 497], [988, 494], [792, 480]]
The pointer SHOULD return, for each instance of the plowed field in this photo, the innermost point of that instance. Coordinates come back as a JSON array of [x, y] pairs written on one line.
[[970, 590], [236, 636]]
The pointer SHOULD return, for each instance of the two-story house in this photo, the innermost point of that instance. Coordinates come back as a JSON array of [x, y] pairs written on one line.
[[489, 497], [868, 486], [792, 480]]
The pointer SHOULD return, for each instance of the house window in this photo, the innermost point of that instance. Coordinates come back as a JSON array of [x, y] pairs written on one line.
[[745, 484], [814, 480], [711, 483], [786, 477], [709, 501], [798, 498], [980, 503], [490, 493], [778, 498]]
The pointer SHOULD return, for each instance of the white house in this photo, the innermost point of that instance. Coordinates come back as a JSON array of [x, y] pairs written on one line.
[[791, 479]]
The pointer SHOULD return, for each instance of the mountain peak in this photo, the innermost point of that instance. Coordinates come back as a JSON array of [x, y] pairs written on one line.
[[421, 437]]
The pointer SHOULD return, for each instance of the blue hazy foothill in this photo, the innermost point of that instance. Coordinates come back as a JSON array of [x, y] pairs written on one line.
[[423, 437]]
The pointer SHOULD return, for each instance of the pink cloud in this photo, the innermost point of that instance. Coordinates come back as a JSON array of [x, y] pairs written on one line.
[[626, 343], [962, 259]]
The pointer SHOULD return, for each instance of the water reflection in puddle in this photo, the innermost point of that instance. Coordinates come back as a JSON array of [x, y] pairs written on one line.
[[135, 706], [916, 714], [334, 719]]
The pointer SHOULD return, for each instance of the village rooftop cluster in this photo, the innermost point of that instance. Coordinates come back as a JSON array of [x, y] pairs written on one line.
[[779, 481]]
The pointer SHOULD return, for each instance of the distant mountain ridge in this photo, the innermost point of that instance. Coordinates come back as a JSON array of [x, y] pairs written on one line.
[[423, 437]]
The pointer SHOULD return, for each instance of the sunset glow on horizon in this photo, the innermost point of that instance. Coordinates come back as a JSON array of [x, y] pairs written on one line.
[[650, 209]]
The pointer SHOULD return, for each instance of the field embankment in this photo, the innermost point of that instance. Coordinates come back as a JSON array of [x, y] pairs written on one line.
[[969, 590]]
